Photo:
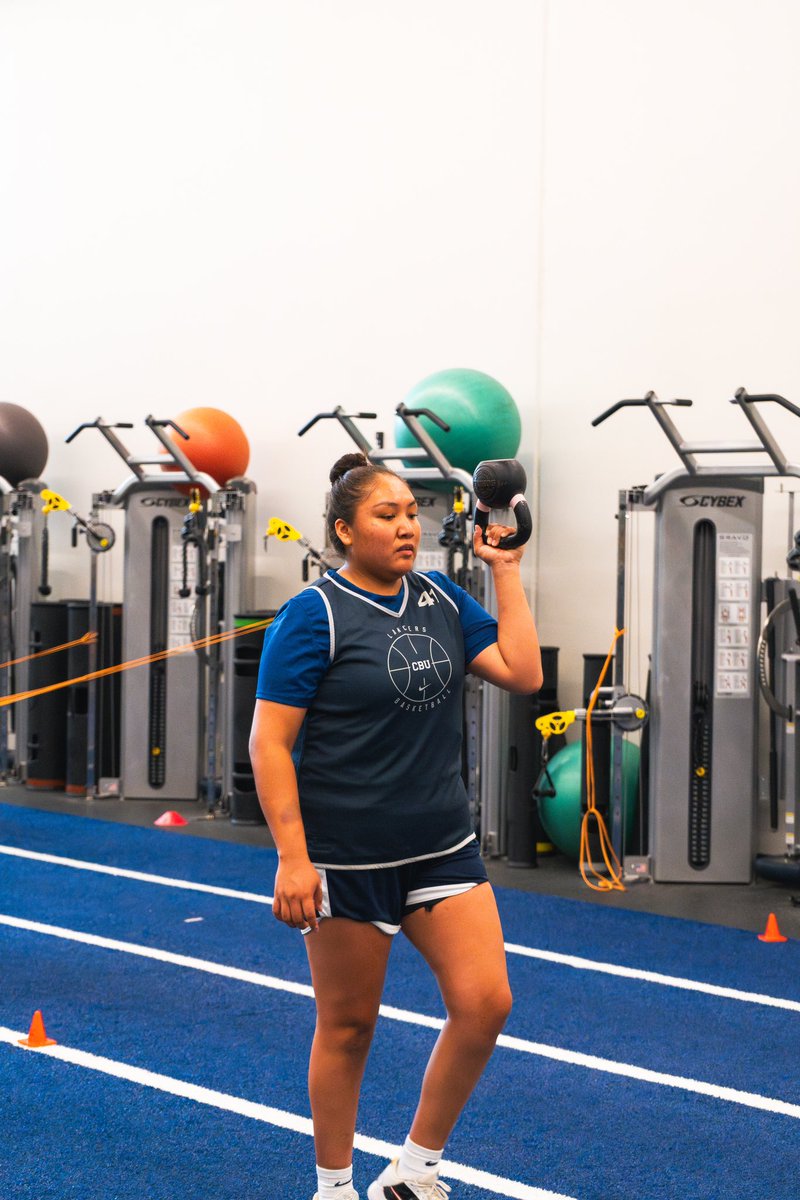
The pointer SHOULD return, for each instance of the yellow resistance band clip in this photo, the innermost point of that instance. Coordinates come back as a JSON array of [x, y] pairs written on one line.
[[54, 502], [195, 503], [283, 531], [554, 723]]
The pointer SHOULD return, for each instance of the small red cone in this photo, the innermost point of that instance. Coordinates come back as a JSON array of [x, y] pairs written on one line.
[[37, 1037], [169, 819], [772, 933]]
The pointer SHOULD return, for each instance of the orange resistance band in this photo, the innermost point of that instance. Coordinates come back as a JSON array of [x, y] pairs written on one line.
[[614, 881], [86, 640], [213, 640]]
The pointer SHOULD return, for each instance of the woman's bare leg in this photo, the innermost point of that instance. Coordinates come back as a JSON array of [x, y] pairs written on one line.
[[462, 941], [348, 967]]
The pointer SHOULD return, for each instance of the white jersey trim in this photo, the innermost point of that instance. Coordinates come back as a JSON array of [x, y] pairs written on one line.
[[440, 590], [366, 600], [398, 862], [331, 626]]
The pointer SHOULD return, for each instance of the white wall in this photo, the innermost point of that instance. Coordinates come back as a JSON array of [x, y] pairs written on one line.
[[671, 253], [277, 208], [268, 208]]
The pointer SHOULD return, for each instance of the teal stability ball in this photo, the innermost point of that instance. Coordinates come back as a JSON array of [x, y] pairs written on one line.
[[561, 814], [483, 418]]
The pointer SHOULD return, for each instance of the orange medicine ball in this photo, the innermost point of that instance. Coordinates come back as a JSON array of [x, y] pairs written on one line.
[[216, 445]]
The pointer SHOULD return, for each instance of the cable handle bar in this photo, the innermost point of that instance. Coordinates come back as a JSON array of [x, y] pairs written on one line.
[[650, 400]]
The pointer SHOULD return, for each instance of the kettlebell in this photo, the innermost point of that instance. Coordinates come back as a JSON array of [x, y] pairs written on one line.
[[501, 483]]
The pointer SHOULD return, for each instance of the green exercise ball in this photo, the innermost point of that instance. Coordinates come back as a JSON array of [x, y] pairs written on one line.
[[483, 418], [561, 814]]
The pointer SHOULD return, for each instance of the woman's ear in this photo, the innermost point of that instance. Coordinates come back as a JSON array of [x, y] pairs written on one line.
[[343, 532]]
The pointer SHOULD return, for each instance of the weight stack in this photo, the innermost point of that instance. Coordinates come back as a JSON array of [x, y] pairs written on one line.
[[107, 723], [245, 808], [524, 763], [47, 757]]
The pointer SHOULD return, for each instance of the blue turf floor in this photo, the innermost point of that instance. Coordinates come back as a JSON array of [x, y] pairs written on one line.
[[69, 1132]]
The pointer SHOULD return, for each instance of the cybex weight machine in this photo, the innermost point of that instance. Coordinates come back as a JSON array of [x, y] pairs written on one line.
[[189, 550], [706, 618]]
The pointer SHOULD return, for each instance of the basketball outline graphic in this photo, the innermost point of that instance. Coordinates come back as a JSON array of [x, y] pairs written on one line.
[[419, 667]]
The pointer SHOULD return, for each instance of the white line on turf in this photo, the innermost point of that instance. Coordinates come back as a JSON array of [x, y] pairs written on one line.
[[574, 1058], [165, 956], [164, 880], [270, 1116], [566, 960], [674, 981]]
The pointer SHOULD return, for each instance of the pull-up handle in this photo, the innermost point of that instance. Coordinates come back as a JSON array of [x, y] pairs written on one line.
[[153, 422], [742, 398], [98, 424], [650, 401], [501, 483], [404, 412], [338, 414]]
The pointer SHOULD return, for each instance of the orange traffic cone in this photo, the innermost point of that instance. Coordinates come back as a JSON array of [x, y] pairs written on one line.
[[772, 933], [37, 1037], [169, 819]]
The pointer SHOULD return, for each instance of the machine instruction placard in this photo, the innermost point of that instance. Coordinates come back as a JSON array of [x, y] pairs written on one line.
[[734, 614], [180, 608]]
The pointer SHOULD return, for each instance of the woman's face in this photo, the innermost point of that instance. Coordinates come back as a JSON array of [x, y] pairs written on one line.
[[383, 540]]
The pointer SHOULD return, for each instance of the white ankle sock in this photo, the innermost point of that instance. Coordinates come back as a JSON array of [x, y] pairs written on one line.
[[331, 1184], [416, 1162]]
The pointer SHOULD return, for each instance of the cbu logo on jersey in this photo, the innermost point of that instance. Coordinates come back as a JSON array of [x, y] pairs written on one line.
[[426, 599], [420, 669]]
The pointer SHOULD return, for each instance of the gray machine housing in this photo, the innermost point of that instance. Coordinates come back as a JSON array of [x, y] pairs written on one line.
[[733, 510], [180, 710], [161, 702], [24, 530]]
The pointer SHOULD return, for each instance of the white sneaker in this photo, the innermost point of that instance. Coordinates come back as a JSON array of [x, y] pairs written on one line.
[[348, 1195], [390, 1186]]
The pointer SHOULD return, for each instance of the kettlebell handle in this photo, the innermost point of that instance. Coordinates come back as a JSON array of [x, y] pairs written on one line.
[[501, 483]]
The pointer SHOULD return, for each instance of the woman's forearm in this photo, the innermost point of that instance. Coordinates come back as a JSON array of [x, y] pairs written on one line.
[[298, 891], [276, 784], [517, 639]]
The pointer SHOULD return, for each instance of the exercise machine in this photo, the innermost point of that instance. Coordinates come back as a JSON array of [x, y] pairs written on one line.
[[189, 546], [707, 592]]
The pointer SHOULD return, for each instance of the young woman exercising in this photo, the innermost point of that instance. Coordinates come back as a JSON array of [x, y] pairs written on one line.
[[361, 676]]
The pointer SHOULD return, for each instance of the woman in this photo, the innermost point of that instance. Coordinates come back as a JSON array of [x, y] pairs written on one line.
[[361, 677]]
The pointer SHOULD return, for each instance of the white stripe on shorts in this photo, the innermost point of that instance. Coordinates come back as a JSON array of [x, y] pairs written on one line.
[[425, 895]]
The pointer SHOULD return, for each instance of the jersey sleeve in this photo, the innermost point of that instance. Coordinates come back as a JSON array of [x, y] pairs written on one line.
[[479, 627], [297, 651]]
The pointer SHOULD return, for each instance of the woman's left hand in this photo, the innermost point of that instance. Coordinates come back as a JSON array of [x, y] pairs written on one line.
[[487, 548]]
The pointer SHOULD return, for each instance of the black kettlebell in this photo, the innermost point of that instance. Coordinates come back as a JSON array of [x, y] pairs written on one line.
[[501, 483]]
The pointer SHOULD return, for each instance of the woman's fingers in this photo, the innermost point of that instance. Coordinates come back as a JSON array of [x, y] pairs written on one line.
[[298, 895]]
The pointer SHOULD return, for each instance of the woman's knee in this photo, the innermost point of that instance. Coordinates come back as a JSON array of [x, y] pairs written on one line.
[[349, 1033], [484, 1011]]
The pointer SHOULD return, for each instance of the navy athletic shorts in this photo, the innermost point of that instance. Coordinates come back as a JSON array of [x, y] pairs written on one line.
[[384, 895]]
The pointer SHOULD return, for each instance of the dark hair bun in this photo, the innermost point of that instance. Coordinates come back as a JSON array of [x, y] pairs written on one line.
[[345, 464]]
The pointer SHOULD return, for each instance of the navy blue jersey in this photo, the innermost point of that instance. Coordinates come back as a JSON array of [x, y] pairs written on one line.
[[379, 770], [297, 645]]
